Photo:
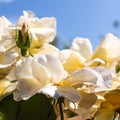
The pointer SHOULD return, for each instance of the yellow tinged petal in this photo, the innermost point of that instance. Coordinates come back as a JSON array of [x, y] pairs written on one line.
[[113, 97], [44, 49], [6, 87], [3, 86], [72, 63], [36, 46], [82, 76], [71, 81], [105, 112], [88, 99], [26, 88], [6, 63], [108, 50]]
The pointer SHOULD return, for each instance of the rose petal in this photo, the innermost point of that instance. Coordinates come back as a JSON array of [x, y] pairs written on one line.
[[113, 97], [82, 46], [53, 66], [23, 68], [43, 29], [6, 62], [31, 77], [61, 91], [26, 88], [88, 77], [106, 112], [105, 51], [6, 87], [4, 22], [83, 75], [42, 34], [106, 75], [88, 99], [71, 60], [40, 72]]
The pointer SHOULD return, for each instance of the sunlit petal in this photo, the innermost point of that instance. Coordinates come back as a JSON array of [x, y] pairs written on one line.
[[41, 35], [23, 68], [34, 22], [43, 29], [28, 17], [83, 75], [105, 51], [6, 87], [28, 85], [4, 22], [40, 72], [7, 38], [26, 88], [95, 62], [71, 60], [82, 46], [45, 49], [53, 66]]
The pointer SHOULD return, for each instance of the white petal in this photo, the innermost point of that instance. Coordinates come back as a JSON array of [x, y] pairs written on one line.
[[61, 91], [7, 38], [23, 68], [106, 75], [40, 72], [30, 78], [26, 88], [95, 61], [82, 46], [4, 22], [28, 17], [48, 22], [7, 59], [43, 34], [43, 29], [87, 75], [65, 54], [6, 62], [29, 14], [49, 49], [52, 65], [108, 49], [84, 76], [34, 22]]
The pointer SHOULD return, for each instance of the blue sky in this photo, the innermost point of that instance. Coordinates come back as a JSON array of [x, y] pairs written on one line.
[[75, 18]]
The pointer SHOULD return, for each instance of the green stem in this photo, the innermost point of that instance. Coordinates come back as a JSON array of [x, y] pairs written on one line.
[[60, 102], [18, 111]]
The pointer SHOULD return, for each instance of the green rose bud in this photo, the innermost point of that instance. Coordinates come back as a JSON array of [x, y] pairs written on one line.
[[23, 39]]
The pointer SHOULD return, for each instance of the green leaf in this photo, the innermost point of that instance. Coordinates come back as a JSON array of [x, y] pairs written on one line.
[[2, 116], [37, 107]]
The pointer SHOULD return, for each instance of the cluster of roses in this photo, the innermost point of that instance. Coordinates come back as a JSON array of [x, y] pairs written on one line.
[[29, 64]]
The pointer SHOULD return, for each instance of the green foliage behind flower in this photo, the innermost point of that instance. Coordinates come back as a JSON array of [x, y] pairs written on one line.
[[37, 107]]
